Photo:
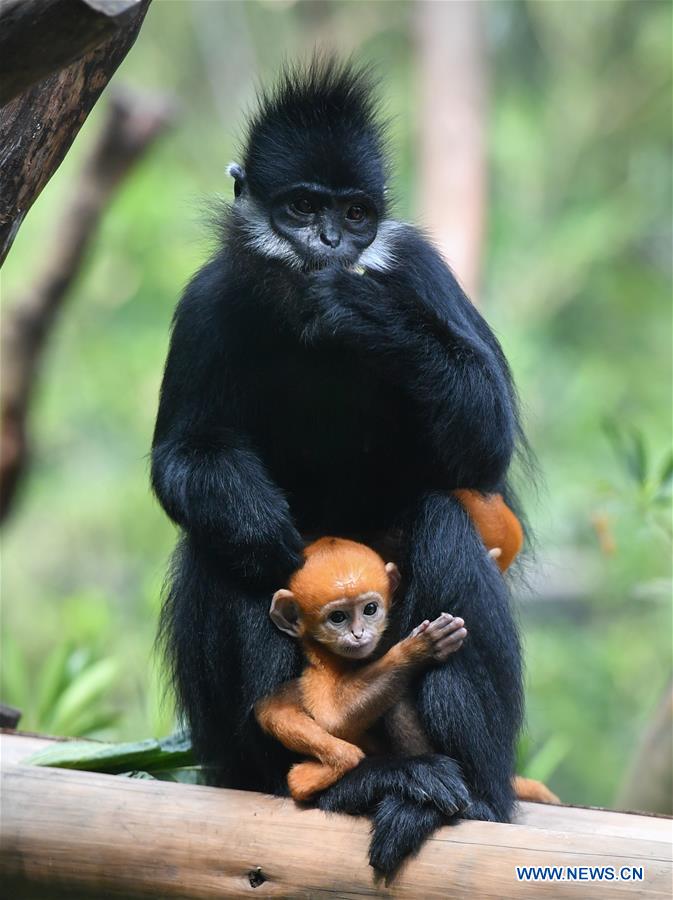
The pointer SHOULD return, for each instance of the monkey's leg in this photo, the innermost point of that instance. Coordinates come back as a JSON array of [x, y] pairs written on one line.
[[225, 654], [281, 716], [405, 729], [306, 779], [470, 707]]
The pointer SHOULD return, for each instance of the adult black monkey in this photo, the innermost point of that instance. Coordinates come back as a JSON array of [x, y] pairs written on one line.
[[327, 375]]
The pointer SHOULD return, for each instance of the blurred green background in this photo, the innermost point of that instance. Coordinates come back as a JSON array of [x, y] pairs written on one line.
[[576, 281]]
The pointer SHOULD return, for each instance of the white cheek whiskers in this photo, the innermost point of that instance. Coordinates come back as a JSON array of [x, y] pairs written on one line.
[[380, 255], [261, 238]]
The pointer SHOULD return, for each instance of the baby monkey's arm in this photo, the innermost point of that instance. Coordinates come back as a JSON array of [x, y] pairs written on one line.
[[368, 692]]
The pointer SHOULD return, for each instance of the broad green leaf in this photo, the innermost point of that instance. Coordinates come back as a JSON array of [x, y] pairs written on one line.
[[87, 687], [94, 756], [51, 681]]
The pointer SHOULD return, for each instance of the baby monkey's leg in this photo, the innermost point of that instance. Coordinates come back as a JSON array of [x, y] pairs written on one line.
[[282, 717], [308, 778]]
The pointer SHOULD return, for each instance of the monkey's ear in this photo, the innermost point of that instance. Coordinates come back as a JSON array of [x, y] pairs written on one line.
[[394, 576], [284, 613], [238, 174]]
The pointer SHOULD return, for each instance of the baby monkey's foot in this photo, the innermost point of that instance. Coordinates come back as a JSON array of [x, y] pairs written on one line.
[[442, 637]]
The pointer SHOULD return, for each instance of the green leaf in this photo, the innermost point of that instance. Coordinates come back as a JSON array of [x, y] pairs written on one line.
[[629, 447], [81, 693], [638, 456], [666, 476], [94, 756], [92, 720], [52, 680]]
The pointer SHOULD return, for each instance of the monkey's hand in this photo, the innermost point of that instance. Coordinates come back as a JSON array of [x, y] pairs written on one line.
[[437, 640], [342, 303]]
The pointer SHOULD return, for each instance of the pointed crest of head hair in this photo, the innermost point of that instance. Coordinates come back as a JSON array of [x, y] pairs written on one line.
[[318, 124]]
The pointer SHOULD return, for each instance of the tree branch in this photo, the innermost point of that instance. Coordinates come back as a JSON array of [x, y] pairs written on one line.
[[37, 37], [38, 127], [132, 125]]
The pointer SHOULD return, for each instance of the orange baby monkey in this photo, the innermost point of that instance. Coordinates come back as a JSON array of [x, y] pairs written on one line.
[[337, 606]]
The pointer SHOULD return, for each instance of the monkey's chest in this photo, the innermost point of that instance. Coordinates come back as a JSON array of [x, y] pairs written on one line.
[[322, 409], [334, 436]]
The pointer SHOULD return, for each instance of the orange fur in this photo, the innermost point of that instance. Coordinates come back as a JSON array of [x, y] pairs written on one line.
[[496, 523], [530, 789], [335, 568], [328, 712]]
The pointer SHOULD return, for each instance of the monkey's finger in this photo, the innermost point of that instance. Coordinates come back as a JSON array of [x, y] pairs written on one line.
[[442, 620], [443, 654], [446, 623], [419, 629], [450, 640]]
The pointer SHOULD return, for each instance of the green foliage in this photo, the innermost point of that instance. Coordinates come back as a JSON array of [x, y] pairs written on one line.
[[577, 283], [92, 756], [66, 695]]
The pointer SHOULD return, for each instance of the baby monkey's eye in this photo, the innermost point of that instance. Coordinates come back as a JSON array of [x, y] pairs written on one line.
[[370, 609], [303, 205], [356, 213], [337, 617]]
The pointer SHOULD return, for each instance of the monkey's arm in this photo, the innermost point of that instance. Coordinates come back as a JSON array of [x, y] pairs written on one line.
[[363, 696], [207, 476], [416, 325], [282, 716]]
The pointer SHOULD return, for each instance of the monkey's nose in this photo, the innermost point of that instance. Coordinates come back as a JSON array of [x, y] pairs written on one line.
[[330, 238]]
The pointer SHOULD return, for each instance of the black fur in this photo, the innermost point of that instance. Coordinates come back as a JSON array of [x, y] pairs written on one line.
[[302, 402], [298, 123]]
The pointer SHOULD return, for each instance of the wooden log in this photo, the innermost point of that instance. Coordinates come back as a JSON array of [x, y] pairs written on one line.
[[78, 834], [38, 37]]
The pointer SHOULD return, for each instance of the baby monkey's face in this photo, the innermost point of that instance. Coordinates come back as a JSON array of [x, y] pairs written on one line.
[[351, 627]]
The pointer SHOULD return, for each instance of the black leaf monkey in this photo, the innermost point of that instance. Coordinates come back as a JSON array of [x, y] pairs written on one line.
[[327, 375]]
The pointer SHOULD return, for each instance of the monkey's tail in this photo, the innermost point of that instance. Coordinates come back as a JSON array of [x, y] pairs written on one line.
[[399, 827]]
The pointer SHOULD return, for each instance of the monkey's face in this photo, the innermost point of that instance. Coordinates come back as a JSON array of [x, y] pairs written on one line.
[[351, 627], [323, 227]]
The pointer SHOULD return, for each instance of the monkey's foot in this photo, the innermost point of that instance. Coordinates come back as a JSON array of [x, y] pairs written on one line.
[[308, 778]]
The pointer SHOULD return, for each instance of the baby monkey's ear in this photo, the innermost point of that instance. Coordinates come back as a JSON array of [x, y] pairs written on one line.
[[284, 613], [394, 576]]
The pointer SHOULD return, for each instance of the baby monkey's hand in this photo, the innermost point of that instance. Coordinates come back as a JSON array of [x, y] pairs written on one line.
[[440, 638]]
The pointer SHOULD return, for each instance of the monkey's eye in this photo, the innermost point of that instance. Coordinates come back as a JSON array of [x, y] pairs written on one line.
[[356, 213], [370, 609], [337, 617], [303, 205]]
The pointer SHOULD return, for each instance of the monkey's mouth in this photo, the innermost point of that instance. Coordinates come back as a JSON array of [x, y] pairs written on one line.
[[359, 650]]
